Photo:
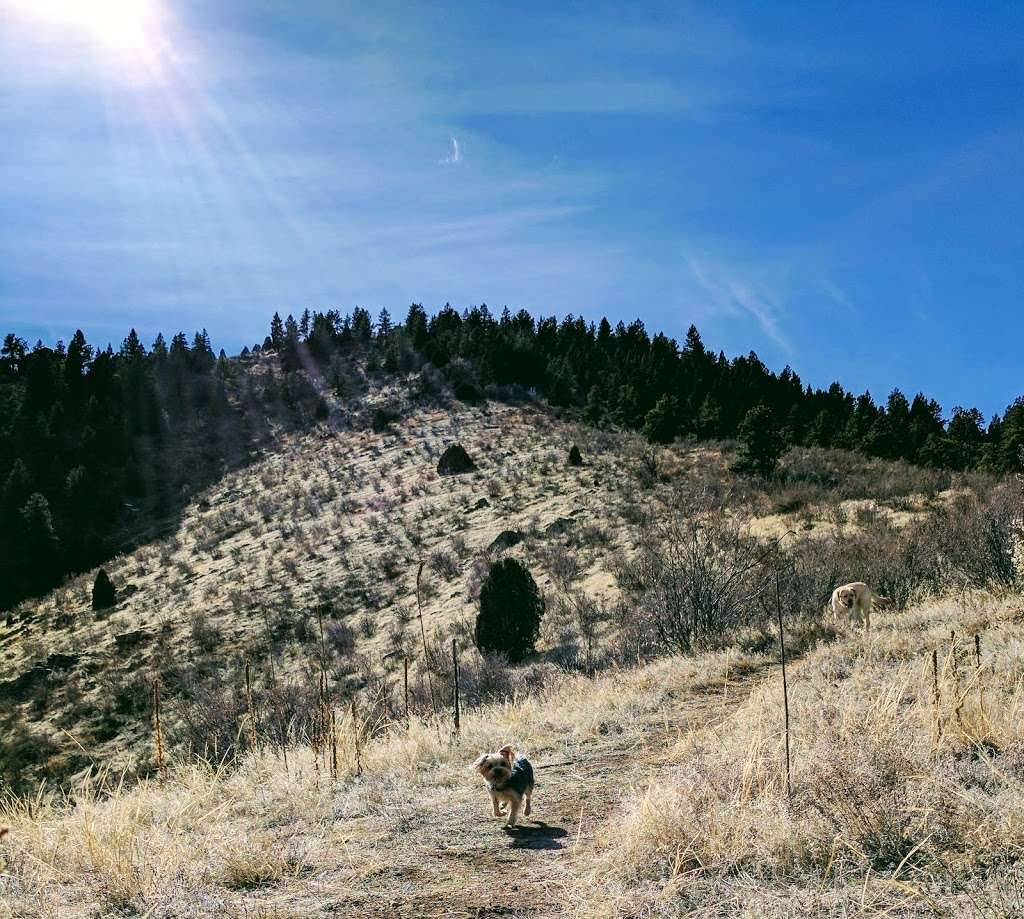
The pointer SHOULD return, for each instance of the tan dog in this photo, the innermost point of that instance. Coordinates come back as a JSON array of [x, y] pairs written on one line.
[[855, 601], [509, 781]]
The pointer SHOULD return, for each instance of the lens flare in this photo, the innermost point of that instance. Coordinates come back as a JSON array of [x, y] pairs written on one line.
[[122, 26]]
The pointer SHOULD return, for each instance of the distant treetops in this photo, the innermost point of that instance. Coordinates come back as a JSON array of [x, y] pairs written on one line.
[[89, 436]]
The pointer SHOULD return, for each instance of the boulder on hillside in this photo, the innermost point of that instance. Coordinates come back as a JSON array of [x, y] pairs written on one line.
[[383, 417], [559, 526], [128, 640], [506, 539], [455, 461], [575, 457]]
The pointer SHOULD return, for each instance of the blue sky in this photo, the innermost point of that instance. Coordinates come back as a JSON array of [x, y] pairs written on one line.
[[838, 187]]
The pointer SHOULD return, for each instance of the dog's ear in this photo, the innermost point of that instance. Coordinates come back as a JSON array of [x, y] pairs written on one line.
[[478, 763], [508, 753]]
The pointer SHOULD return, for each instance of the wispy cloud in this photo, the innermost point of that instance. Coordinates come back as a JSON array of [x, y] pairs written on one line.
[[454, 154], [738, 296]]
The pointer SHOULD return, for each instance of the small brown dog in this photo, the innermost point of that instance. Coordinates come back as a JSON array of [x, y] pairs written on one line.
[[509, 781]]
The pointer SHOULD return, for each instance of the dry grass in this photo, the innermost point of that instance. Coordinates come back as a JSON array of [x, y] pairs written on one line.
[[899, 807], [202, 842]]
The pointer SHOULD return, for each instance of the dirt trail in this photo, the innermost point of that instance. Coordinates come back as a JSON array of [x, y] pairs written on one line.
[[444, 855]]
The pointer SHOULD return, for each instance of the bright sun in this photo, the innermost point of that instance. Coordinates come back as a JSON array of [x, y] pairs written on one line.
[[120, 25]]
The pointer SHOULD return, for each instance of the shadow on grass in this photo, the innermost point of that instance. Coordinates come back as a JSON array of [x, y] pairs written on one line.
[[535, 835]]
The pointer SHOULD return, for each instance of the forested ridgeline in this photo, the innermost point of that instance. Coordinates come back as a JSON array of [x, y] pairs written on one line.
[[623, 376], [99, 447]]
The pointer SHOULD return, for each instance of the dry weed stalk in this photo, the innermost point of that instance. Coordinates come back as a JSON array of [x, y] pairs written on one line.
[[979, 676], [355, 739], [455, 685], [423, 636], [785, 686], [250, 708]]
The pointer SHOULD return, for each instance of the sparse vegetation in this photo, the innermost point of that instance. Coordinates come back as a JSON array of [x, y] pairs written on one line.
[[280, 614]]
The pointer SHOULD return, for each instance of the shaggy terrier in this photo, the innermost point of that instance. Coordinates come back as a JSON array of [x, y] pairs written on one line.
[[509, 781]]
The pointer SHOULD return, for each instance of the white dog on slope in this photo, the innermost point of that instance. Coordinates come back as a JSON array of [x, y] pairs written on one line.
[[855, 601]]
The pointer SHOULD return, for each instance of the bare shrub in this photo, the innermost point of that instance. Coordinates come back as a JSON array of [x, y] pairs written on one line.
[[975, 538], [444, 564], [206, 636], [562, 564], [340, 637], [695, 578]]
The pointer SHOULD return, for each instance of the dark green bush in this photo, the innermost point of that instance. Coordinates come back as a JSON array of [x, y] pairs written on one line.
[[103, 594], [511, 608]]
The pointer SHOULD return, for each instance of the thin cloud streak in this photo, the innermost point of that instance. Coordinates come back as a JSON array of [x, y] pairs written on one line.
[[731, 294], [454, 155]]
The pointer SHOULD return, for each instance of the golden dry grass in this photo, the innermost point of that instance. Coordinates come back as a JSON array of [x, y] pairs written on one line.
[[889, 815], [411, 835], [666, 797]]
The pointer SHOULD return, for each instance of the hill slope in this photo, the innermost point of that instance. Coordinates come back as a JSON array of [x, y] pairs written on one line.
[[308, 559], [665, 794]]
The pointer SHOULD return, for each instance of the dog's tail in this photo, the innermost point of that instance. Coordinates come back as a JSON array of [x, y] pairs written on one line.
[[878, 598]]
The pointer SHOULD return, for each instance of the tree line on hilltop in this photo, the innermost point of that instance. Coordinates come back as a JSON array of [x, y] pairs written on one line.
[[97, 443], [622, 375]]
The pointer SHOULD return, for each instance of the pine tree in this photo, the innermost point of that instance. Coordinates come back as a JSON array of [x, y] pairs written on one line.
[[761, 442], [276, 332], [12, 353], [662, 422], [104, 595], [159, 349], [511, 608], [596, 409], [131, 347], [384, 326], [39, 542]]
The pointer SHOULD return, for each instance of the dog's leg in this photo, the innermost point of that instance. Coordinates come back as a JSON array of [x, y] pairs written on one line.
[[513, 811], [526, 810], [494, 805]]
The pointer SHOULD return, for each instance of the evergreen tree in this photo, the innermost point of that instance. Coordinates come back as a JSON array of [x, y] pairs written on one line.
[[131, 347], [511, 608], [662, 421], [38, 543], [709, 418], [159, 349], [384, 327], [16, 490], [596, 410], [761, 442], [966, 433], [104, 595], [276, 332], [12, 353]]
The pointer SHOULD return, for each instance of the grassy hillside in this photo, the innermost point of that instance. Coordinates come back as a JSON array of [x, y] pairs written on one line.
[[663, 794], [307, 560]]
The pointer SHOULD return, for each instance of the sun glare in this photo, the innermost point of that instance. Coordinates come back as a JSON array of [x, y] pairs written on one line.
[[123, 26]]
